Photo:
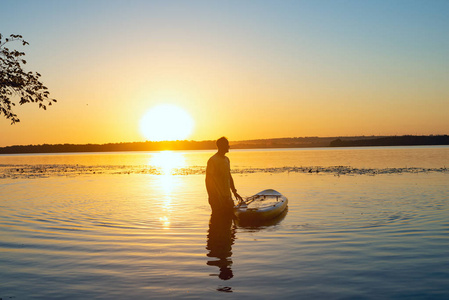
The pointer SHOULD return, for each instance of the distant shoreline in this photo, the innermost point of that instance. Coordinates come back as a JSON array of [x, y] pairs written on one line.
[[297, 142]]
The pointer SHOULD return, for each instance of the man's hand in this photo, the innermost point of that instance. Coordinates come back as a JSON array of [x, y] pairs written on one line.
[[238, 197]]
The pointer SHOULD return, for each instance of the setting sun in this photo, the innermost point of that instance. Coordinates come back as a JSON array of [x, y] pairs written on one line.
[[166, 122]]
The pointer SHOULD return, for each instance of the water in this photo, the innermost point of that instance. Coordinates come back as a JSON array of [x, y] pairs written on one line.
[[130, 225]]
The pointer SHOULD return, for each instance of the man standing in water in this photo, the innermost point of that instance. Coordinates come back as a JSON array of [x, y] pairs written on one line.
[[219, 182]]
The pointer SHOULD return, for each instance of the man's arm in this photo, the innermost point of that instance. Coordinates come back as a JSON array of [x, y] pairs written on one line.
[[234, 190]]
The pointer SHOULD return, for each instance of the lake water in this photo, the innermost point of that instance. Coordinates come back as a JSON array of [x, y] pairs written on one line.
[[362, 223]]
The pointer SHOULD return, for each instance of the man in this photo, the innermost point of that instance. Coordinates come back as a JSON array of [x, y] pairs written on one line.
[[219, 182]]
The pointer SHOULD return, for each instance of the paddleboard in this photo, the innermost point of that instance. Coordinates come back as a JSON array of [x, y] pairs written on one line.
[[262, 206]]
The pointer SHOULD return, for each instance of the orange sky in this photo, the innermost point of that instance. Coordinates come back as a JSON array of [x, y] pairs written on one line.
[[244, 70]]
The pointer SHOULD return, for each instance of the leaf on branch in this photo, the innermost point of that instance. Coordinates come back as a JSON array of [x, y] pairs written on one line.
[[14, 81]]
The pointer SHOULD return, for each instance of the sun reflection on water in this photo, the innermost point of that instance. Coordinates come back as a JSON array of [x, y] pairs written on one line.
[[167, 162], [165, 222]]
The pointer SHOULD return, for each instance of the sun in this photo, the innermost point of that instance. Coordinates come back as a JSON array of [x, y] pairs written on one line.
[[166, 122]]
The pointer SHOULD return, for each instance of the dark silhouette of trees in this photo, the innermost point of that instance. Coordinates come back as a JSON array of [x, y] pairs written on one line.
[[249, 144], [15, 83], [405, 140], [111, 147]]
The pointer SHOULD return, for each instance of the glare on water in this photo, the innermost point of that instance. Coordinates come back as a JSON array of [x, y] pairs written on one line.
[[167, 162], [134, 227]]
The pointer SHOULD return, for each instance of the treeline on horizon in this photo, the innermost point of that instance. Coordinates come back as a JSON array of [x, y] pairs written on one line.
[[296, 142], [406, 140], [111, 147]]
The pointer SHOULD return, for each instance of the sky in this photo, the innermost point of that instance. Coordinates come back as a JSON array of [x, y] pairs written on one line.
[[241, 69]]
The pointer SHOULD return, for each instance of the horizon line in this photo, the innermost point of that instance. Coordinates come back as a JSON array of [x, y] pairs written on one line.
[[230, 141]]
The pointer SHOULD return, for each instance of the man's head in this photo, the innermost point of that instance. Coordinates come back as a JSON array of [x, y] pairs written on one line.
[[223, 145]]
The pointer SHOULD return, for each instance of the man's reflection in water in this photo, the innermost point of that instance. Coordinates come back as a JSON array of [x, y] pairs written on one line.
[[220, 239]]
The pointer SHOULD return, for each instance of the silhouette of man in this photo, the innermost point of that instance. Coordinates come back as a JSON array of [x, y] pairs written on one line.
[[219, 182]]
